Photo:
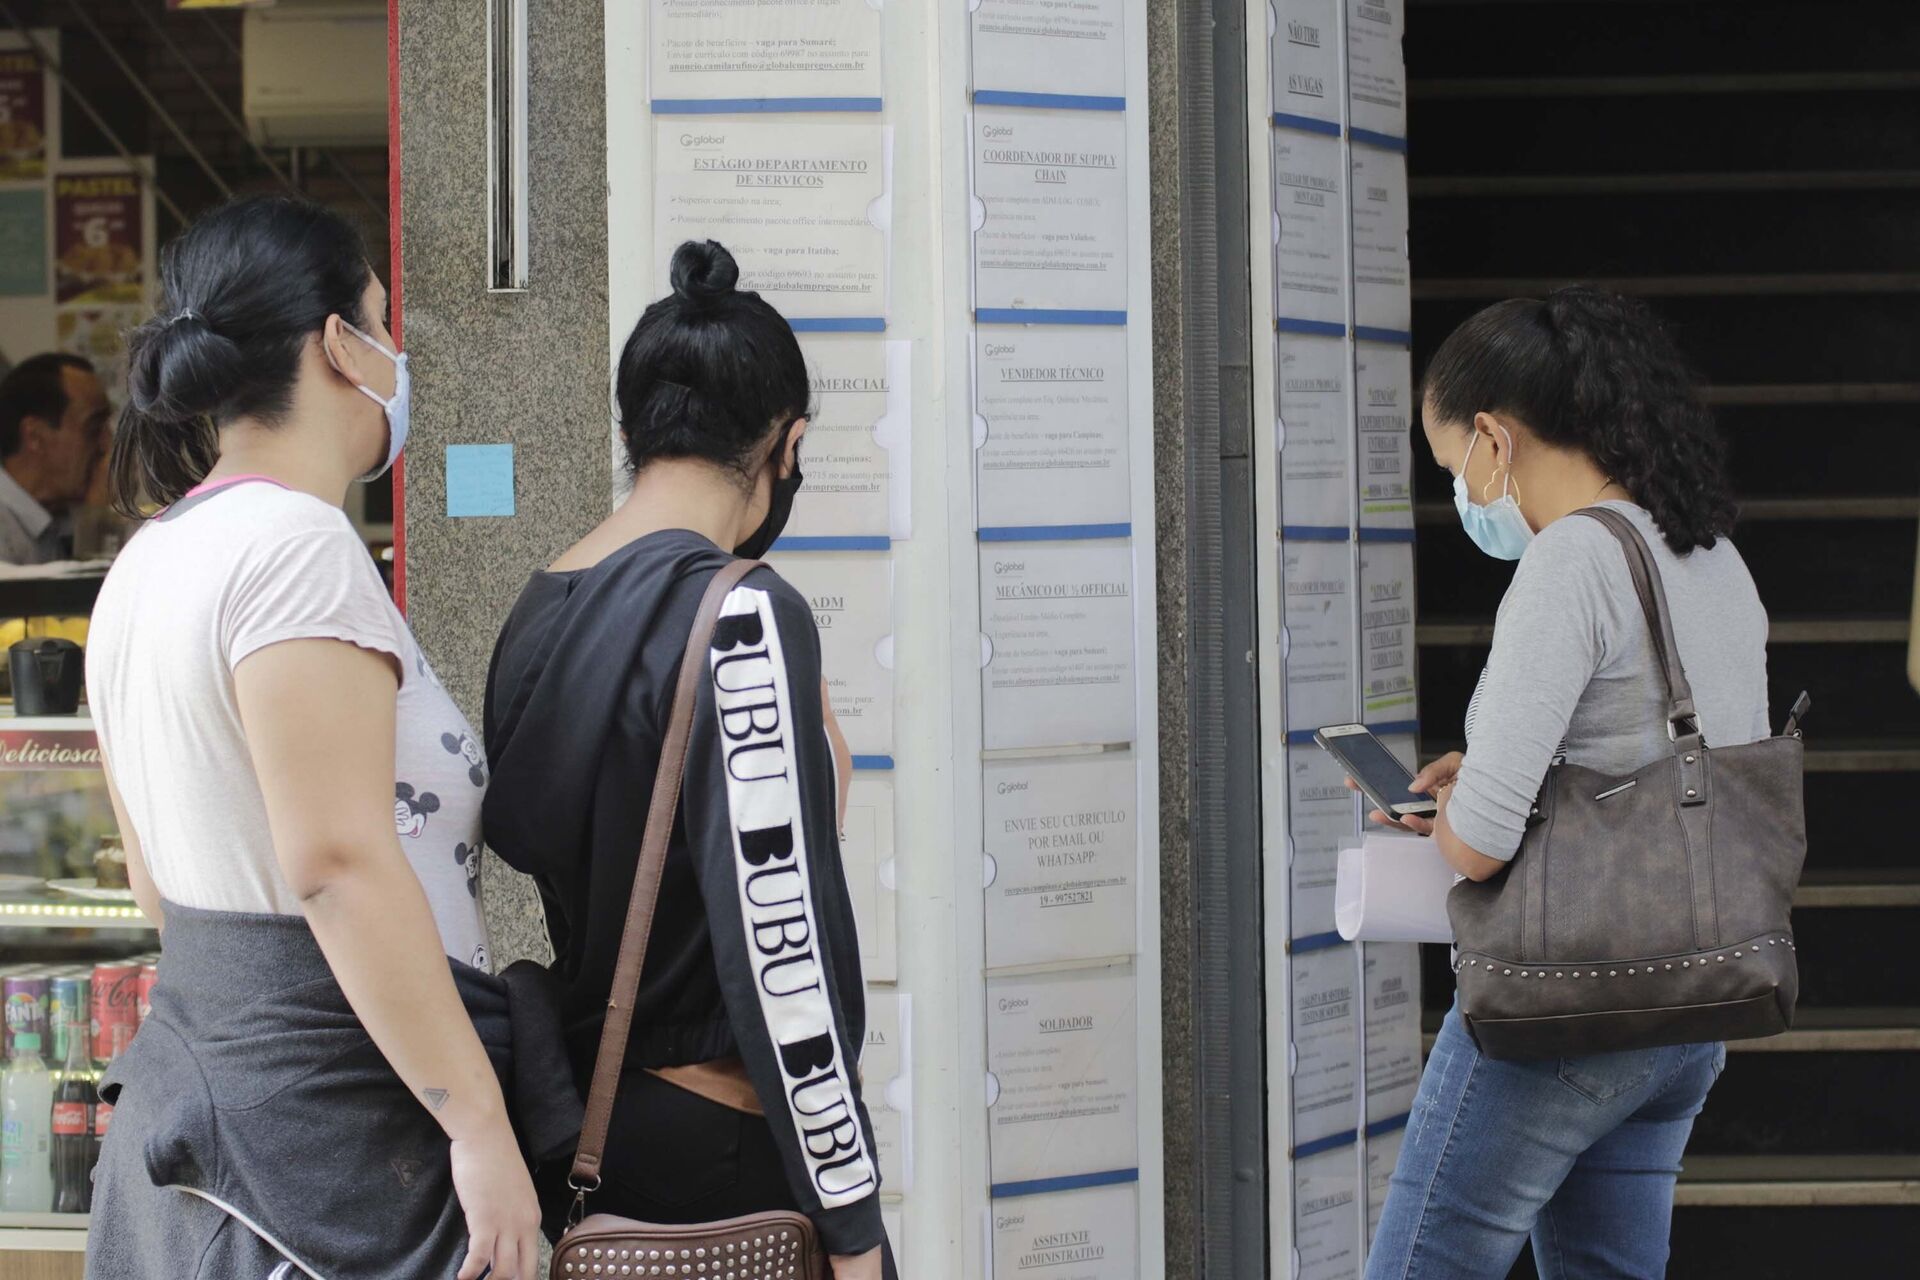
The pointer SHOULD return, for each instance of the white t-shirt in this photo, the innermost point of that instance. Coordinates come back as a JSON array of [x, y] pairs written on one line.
[[222, 575]]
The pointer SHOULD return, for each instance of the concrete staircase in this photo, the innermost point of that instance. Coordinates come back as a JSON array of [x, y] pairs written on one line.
[[1753, 169]]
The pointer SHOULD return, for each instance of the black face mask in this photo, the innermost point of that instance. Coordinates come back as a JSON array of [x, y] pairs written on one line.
[[779, 508]]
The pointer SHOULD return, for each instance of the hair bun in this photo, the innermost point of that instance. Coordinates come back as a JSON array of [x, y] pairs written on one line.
[[703, 272], [178, 368]]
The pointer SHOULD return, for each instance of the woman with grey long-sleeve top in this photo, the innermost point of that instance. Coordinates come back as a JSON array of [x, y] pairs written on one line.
[[1540, 409]]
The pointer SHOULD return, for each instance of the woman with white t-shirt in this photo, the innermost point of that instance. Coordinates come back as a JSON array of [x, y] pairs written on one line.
[[321, 1081]]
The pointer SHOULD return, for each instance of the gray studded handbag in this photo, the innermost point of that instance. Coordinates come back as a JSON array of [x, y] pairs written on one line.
[[1643, 910]]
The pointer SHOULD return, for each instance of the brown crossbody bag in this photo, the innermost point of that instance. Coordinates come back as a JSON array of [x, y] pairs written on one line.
[[1644, 910], [778, 1245]]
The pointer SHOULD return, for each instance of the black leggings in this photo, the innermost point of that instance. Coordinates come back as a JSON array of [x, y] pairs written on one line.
[[672, 1156]]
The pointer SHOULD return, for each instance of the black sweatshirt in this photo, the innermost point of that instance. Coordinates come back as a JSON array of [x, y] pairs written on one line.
[[753, 949]]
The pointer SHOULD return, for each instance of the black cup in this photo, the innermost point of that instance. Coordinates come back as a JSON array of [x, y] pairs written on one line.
[[47, 674]]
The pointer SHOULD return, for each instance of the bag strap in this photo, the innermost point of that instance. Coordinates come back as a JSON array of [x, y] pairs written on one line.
[[1683, 722], [646, 886]]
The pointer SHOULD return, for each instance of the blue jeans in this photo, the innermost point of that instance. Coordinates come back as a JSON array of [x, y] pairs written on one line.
[[1580, 1153]]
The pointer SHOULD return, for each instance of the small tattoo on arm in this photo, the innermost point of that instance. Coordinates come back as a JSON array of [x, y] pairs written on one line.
[[436, 1098]]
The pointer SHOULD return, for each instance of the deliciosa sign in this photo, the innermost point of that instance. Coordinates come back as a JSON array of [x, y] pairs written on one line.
[[55, 749]]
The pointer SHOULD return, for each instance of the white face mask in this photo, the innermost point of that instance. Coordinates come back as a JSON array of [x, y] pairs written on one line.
[[1496, 527], [398, 406]]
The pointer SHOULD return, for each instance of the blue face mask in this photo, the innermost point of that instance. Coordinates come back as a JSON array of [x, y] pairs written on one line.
[[1496, 527], [398, 407]]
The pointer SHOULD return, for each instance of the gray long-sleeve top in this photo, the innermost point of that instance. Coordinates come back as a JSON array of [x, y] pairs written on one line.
[[1572, 669]]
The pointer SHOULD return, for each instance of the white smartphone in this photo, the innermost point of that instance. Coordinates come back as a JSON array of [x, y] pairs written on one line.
[[1381, 776]]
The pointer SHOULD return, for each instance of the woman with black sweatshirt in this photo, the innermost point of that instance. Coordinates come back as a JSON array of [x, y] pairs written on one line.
[[741, 1090]]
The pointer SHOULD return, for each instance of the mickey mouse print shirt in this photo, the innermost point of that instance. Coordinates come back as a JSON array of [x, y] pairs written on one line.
[[222, 574]]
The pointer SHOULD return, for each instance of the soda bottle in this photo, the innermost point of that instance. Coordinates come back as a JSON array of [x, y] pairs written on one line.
[[26, 1106], [74, 1100]]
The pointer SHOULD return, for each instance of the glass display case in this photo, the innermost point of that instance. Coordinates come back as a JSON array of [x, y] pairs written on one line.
[[76, 959]]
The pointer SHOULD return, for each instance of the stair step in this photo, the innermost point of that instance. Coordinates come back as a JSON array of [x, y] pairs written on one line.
[[1782, 631], [1745, 1114], [1858, 888], [1842, 1030], [1877, 507], [1794, 1181], [1774, 284]]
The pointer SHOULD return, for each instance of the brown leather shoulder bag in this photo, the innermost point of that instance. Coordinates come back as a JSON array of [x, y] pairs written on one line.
[[1644, 910], [762, 1246]]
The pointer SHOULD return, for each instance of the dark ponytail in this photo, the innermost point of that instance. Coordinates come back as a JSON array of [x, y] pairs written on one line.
[[246, 287], [1596, 372], [708, 369]]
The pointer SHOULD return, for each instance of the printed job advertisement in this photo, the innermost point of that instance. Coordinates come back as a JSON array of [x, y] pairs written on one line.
[[1050, 46], [1054, 186], [1309, 202], [1383, 1152], [852, 597], [1323, 1043], [1059, 623], [1315, 484], [757, 49], [1376, 66], [1385, 378], [1317, 578], [792, 203], [1306, 59], [865, 849], [884, 1059], [1320, 814], [1387, 638], [848, 486], [1063, 837], [1089, 1234], [1393, 1028], [1061, 1047], [1326, 1225], [1381, 299], [1054, 400]]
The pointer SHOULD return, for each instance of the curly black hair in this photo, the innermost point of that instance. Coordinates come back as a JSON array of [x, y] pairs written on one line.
[[1592, 370]]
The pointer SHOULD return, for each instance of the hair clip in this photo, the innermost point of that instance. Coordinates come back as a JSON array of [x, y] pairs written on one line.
[[184, 313]]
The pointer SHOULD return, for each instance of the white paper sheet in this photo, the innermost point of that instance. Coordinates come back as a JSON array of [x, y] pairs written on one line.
[[885, 1060], [1061, 1047], [765, 49], [1392, 888], [1309, 201], [792, 203], [1320, 814], [1062, 835], [1385, 378], [1059, 620], [852, 597], [1326, 1222], [1393, 1028], [1386, 631], [848, 487], [1381, 299], [1306, 59], [1383, 1152], [865, 851], [1315, 477], [1054, 400], [1324, 1043], [1376, 66], [1091, 1234], [1317, 577], [1048, 46], [1054, 185]]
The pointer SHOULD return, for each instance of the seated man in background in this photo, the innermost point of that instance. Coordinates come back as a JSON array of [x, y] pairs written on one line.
[[54, 420]]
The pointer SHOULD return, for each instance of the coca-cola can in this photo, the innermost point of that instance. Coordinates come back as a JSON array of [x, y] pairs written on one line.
[[26, 1008], [116, 1009], [149, 975]]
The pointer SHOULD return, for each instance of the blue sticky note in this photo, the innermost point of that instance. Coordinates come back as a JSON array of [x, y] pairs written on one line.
[[479, 480]]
